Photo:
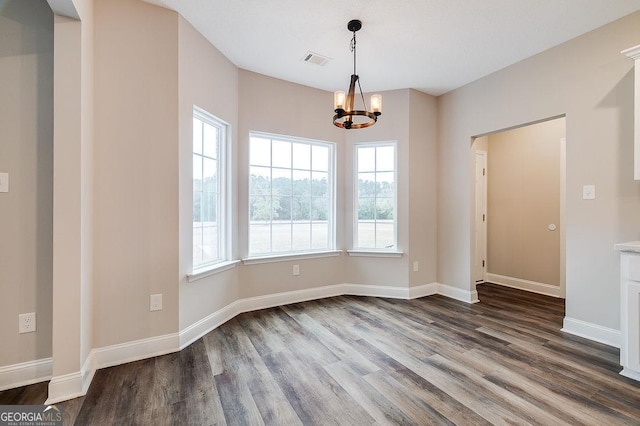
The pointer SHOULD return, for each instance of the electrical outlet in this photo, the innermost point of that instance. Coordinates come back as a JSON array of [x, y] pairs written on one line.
[[27, 323], [155, 302], [416, 266], [296, 270]]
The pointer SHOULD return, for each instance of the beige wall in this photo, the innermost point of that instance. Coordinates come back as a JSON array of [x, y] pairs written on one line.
[[592, 83], [523, 199], [26, 153], [135, 170], [423, 168], [275, 106], [210, 81]]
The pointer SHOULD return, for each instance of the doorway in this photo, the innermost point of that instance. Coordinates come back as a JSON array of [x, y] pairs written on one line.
[[518, 228]]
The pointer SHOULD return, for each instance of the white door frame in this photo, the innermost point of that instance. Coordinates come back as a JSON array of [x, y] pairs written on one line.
[[481, 217]]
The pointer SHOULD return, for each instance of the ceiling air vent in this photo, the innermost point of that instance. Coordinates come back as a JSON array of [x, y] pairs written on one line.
[[314, 58]]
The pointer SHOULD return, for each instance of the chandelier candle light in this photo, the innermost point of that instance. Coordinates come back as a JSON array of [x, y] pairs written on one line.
[[347, 117]]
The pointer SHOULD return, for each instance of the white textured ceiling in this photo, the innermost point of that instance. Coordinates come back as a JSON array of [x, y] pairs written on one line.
[[430, 45]]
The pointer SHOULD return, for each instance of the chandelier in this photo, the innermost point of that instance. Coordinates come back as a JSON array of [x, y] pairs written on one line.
[[347, 116]]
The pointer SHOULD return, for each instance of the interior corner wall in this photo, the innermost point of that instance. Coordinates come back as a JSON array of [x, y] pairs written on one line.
[[590, 81], [26, 153], [135, 170], [423, 171], [207, 79]]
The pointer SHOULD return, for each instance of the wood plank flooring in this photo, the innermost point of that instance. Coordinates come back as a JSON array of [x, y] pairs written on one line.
[[362, 361]]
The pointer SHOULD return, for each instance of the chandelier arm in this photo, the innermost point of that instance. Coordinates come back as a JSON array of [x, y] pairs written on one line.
[[362, 96]]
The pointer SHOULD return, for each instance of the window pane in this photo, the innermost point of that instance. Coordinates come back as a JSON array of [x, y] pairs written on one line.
[[319, 184], [376, 196], [384, 208], [210, 175], [320, 235], [197, 208], [301, 236], [384, 234], [260, 208], [208, 221], [281, 236], [260, 152], [260, 237], [260, 181], [301, 156], [385, 185], [302, 183], [209, 208], [281, 154], [281, 181], [210, 244], [366, 184], [320, 208], [301, 208], [281, 208], [366, 159], [210, 140], [366, 233], [366, 208], [320, 158], [385, 158], [197, 173], [282, 196], [197, 245], [197, 136]]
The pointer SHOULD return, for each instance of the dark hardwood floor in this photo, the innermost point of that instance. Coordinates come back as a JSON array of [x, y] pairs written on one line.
[[361, 361]]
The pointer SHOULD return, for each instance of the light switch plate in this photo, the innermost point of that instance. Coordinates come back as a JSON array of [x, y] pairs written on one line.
[[4, 182], [155, 302], [589, 192]]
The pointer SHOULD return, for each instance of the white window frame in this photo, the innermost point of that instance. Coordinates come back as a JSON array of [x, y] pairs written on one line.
[[331, 219], [223, 214], [362, 251]]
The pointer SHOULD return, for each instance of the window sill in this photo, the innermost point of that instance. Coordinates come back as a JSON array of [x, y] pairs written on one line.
[[374, 253], [198, 274], [290, 256]]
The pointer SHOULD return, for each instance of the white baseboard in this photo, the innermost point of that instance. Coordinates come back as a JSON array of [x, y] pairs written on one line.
[[64, 387], [532, 286], [630, 374], [25, 373], [458, 293], [136, 350], [289, 297], [598, 333], [208, 323], [423, 290]]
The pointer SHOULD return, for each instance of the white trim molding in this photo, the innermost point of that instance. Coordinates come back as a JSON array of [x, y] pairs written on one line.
[[136, 350], [217, 268], [66, 386], [198, 329], [597, 333], [374, 253], [519, 283], [25, 373], [627, 372]]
